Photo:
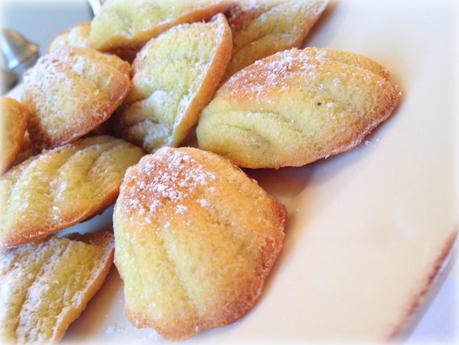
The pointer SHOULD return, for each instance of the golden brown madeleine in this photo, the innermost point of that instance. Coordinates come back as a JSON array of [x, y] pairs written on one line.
[[129, 24], [78, 36], [45, 286], [13, 117], [264, 27], [175, 77], [71, 92], [195, 239], [62, 187], [296, 107]]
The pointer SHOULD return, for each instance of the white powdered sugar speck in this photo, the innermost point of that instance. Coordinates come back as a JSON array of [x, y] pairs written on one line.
[[181, 209]]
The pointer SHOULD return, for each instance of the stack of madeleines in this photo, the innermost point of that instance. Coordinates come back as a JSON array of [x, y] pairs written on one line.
[[194, 237]]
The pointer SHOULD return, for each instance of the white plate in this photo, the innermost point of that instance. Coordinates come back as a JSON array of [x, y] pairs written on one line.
[[368, 229]]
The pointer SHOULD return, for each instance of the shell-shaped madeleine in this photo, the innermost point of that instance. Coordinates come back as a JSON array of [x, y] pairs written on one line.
[[71, 92], [13, 125], [264, 27], [195, 239], [62, 187], [46, 285], [175, 76], [296, 107], [129, 24]]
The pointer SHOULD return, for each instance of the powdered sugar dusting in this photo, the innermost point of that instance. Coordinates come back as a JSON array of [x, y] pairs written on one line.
[[181, 209], [272, 73], [204, 202], [170, 177]]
